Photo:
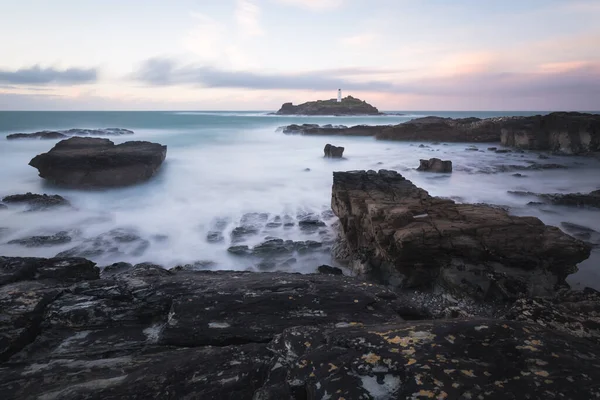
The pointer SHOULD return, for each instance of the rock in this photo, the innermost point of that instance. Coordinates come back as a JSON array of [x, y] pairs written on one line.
[[214, 237], [239, 250], [519, 175], [582, 232], [570, 199], [310, 222], [70, 132], [92, 162], [333, 151], [37, 202], [306, 169], [37, 135], [435, 165], [328, 130], [471, 359], [492, 148], [563, 132], [41, 241], [399, 234], [543, 157], [328, 270], [532, 167], [569, 133], [68, 333], [117, 242], [574, 312], [503, 151], [348, 106]]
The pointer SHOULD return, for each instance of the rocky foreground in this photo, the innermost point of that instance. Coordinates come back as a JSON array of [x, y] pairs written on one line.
[[561, 132], [348, 106], [93, 162], [68, 331]]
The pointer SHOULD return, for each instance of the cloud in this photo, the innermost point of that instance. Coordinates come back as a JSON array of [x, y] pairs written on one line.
[[314, 4], [247, 16], [581, 80], [162, 72], [37, 75]]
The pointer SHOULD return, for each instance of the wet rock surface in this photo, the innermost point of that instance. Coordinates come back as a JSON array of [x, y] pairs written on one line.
[[397, 233], [68, 331], [92, 162], [70, 132], [37, 202], [58, 238], [561, 132], [332, 151], [591, 199], [117, 242], [435, 165]]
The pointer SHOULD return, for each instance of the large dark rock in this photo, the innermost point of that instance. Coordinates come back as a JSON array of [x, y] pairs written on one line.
[[70, 132], [348, 106], [435, 165], [37, 202], [332, 151], [330, 130], [92, 162], [564, 132], [400, 234], [145, 332]]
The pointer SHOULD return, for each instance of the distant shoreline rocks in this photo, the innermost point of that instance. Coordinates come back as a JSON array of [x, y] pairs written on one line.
[[69, 133], [568, 133], [93, 162]]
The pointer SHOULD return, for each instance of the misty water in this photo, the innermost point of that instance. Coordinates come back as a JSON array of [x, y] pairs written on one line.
[[222, 165]]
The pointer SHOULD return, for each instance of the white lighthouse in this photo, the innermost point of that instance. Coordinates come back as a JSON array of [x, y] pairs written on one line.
[[339, 96]]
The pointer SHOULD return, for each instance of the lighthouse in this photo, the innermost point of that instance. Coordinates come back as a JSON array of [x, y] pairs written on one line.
[[339, 100]]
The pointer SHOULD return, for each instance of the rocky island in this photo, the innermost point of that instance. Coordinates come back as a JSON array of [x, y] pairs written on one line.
[[347, 106]]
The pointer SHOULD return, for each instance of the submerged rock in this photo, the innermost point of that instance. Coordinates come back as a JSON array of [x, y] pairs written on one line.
[[398, 233], [332, 151], [117, 242], [435, 165], [328, 270], [591, 199], [59, 238], [37, 202], [92, 162], [70, 132], [37, 135]]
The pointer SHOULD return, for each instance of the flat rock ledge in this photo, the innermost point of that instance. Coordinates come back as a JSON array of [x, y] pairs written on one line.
[[70, 132], [69, 331], [93, 162], [397, 233]]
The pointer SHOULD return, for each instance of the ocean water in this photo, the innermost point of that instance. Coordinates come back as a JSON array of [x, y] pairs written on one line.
[[223, 165]]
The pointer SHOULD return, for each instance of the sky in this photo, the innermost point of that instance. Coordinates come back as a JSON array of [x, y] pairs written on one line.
[[257, 54]]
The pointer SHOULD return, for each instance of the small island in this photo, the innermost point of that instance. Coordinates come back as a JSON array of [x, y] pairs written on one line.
[[347, 106]]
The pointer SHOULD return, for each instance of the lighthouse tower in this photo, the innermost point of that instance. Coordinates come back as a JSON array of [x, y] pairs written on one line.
[[339, 100]]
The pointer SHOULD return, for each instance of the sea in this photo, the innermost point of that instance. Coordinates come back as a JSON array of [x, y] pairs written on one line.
[[221, 166]]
